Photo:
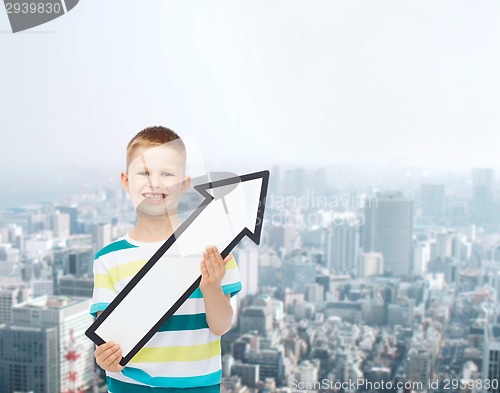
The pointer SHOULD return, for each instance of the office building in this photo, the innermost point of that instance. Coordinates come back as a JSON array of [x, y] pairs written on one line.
[[298, 271], [342, 246], [28, 359], [76, 286], [482, 196], [10, 295], [370, 264], [491, 355], [432, 200], [419, 365], [388, 229], [71, 318]]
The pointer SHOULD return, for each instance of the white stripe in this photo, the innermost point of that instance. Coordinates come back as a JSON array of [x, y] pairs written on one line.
[[192, 306], [103, 295], [63, 2], [99, 267], [119, 376], [181, 369], [231, 277], [182, 338]]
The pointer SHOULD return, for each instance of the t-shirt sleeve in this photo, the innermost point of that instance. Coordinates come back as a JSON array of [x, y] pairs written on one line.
[[231, 282], [104, 289]]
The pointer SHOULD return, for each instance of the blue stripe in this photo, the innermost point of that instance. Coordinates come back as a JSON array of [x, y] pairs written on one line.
[[116, 386], [196, 294], [185, 322], [173, 382], [94, 308], [115, 246], [233, 289]]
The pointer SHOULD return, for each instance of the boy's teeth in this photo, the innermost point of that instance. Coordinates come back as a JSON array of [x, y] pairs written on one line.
[[154, 196]]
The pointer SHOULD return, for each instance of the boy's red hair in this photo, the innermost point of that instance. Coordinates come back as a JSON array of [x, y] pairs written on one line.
[[154, 136]]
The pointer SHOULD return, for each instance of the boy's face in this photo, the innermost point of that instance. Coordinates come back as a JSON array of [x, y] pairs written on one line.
[[155, 180]]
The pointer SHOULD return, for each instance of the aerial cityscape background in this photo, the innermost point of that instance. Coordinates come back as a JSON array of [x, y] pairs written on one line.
[[365, 283]]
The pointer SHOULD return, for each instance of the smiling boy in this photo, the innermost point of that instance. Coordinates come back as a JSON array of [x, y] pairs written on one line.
[[185, 354]]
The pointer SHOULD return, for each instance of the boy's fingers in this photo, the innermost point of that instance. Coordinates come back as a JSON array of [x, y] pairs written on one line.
[[216, 258], [117, 359], [204, 271], [206, 257], [110, 352], [103, 347], [209, 263], [113, 358], [213, 259]]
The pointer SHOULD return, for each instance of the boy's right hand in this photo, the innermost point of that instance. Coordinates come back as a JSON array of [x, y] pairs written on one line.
[[108, 356]]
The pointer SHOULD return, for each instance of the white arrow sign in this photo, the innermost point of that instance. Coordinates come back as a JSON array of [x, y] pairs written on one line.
[[233, 208]]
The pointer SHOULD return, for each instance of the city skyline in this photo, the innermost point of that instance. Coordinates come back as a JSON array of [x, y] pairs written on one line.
[[385, 298]]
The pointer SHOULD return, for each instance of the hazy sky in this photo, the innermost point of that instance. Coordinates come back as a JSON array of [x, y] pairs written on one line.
[[305, 83]]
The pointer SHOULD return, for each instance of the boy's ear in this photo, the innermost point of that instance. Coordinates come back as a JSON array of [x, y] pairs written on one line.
[[124, 180], [185, 184]]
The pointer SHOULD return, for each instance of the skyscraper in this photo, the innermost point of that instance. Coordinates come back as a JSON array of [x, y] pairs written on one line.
[[76, 286], [73, 217], [59, 223], [491, 355], [342, 247], [256, 318], [432, 200], [297, 272], [28, 359], [370, 264], [101, 235], [71, 318], [419, 365], [76, 261], [11, 295], [421, 257], [388, 229], [482, 195]]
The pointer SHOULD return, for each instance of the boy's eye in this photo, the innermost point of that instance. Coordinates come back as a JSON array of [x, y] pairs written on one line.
[[167, 174], [143, 173]]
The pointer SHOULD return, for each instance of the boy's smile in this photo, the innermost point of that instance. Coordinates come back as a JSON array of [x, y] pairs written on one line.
[[154, 197]]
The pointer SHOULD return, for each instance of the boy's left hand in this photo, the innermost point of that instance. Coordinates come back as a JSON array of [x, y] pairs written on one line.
[[213, 269]]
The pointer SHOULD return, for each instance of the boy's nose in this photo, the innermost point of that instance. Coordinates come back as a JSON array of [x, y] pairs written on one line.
[[155, 181]]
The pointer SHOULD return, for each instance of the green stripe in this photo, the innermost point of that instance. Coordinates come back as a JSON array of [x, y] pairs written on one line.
[[115, 246], [196, 294], [95, 308], [233, 288], [208, 383], [185, 322]]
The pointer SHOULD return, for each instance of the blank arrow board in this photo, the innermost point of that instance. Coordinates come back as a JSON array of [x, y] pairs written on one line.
[[233, 208]]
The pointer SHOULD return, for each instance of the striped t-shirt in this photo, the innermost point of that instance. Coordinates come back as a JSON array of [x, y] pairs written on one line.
[[184, 352]]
